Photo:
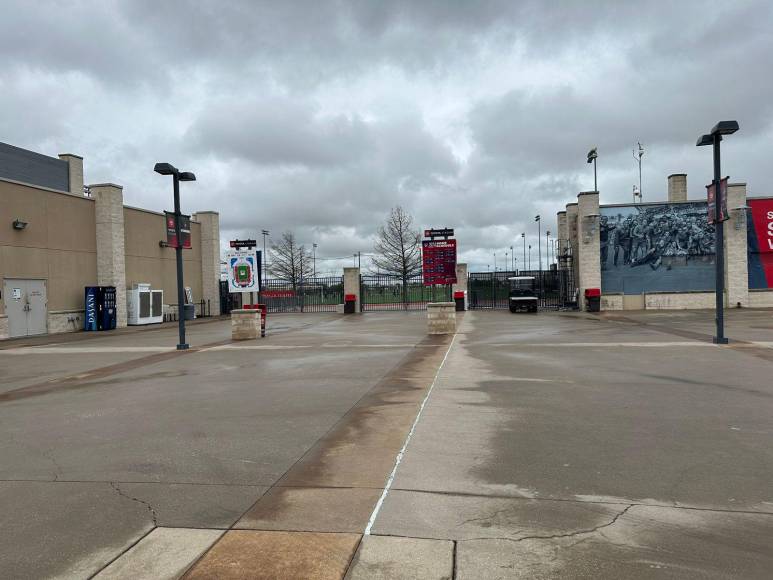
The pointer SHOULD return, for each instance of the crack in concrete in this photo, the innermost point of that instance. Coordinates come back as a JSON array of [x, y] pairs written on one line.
[[559, 536], [149, 507]]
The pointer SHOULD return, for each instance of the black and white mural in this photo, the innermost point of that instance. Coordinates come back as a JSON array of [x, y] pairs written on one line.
[[656, 248]]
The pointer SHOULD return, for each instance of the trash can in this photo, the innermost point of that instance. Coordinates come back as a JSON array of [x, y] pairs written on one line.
[[350, 304], [190, 311], [593, 299], [459, 300]]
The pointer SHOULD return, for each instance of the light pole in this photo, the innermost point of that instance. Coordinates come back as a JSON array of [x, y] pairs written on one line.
[[539, 248], [714, 138], [529, 257], [637, 155], [314, 260], [495, 261], [177, 177], [512, 259], [592, 155], [265, 256], [523, 237], [547, 247]]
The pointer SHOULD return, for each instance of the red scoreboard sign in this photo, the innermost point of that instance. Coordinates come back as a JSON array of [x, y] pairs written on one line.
[[439, 261]]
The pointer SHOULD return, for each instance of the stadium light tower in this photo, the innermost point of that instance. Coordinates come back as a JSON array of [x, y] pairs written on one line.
[[592, 156]]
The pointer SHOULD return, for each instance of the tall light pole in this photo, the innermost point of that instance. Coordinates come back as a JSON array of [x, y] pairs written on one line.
[[529, 257], [539, 248], [637, 155], [495, 261], [523, 237], [714, 138], [265, 256], [547, 247], [512, 259], [177, 177], [314, 260], [592, 156]]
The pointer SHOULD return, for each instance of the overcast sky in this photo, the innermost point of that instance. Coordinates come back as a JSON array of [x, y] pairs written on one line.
[[319, 116]]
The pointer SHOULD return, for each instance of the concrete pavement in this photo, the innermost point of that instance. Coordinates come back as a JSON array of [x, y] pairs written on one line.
[[550, 446]]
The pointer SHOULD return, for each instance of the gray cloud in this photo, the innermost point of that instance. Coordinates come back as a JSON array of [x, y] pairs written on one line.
[[319, 116]]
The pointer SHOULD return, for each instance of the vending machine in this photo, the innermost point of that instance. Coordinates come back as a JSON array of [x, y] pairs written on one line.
[[100, 308]]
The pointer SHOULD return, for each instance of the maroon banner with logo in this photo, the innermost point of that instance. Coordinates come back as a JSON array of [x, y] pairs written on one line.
[[722, 201], [761, 243], [185, 229], [439, 261]]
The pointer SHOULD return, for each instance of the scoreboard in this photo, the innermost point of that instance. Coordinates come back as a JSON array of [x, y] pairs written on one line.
[[439, 261]]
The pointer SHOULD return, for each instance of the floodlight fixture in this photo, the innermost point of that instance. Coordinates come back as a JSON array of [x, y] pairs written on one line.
[[725, 128], [705, 140], [592, 154], [165, 169], [187, 176]]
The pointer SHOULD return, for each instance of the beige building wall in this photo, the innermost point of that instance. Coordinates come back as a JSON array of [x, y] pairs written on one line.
[[588, 244], [58, 245], [148, 262]]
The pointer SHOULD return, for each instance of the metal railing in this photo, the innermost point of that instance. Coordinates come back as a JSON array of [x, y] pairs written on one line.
[[385, 292], [554, 288]]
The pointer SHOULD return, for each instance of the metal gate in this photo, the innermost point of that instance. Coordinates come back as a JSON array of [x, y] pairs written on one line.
[[307, 295], [555, 289], [386, 292]]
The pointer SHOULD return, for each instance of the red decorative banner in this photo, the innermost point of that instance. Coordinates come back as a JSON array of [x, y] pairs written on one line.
[[278, 294]]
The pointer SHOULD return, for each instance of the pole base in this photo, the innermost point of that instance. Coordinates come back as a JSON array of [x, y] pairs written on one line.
[[183, 346], [719, 340]]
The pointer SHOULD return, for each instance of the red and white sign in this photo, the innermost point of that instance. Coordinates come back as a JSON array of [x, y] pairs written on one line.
[[762, 254], [278, 294], [439, 261]]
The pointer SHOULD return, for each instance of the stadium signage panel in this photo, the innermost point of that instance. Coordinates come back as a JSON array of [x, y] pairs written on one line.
[[439, 261]]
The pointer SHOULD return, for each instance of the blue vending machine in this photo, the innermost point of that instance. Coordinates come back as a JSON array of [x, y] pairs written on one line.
[[100, 308], [90, 319]]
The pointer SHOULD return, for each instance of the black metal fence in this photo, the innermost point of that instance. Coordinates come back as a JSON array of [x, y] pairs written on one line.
[[307, 295], [386, 292], [555, 289]]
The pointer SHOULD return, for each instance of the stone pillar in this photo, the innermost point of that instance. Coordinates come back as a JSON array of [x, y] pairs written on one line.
[[210, 259], [588, 255], [571, 230], [352, 285], [75, 163], [441, 318], [461, 279], [111, 258], [736, 252], [563, 235], [245, 324], [677, 187]]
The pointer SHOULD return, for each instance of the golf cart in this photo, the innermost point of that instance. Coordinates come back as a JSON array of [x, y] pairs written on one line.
[[522, 296]]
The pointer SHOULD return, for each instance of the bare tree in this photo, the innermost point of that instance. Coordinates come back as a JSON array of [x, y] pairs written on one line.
[[289, 260], [398, 247]]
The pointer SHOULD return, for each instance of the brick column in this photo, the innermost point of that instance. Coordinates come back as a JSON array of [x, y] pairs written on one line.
[[571, 231], [352, 285], [210, 259], [75, 163], [461, 279], [111, 258], [588, 254], [736, 253], [563, 235], [677, 187]]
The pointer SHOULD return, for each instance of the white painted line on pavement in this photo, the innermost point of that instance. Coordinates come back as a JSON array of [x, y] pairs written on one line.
[[84, 350], [600, 344], [399, 457]]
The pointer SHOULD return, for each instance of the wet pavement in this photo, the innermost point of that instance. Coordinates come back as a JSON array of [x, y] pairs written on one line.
[[562, 445]]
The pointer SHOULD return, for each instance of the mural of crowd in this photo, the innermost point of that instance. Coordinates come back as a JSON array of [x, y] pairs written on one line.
[[636, 239]]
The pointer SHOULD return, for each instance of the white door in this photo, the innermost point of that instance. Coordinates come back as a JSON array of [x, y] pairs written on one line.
[[26, 305]]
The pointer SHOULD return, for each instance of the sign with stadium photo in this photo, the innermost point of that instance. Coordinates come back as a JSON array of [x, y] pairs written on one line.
[[665, 247], [242, 271]]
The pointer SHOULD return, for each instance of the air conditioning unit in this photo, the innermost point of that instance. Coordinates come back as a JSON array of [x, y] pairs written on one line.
[[145, 305]]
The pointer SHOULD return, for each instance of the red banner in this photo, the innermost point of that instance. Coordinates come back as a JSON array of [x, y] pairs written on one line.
[[278, 294], [710, 194], [171, 232]]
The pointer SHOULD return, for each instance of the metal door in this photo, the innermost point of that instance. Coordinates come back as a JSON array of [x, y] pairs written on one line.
[[26, 306], [37, 312]]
